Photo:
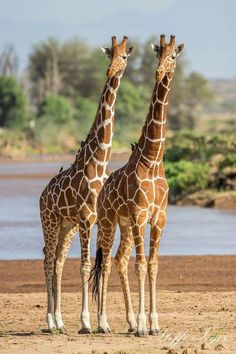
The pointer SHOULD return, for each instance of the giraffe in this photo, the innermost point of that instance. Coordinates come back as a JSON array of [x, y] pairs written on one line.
[[68, 203], [133, 196]]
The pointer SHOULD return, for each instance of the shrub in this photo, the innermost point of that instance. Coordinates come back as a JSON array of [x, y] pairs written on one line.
[[85, 112], [186, 177], [57, 109]]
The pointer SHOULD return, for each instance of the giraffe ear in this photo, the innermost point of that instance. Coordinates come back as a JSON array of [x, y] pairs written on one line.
[[129, 50], [107, 51], [179, 49], [156, 48]]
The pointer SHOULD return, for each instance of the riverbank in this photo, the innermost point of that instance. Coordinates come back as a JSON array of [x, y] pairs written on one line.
[[196, 306], [176, 273], [20, 169], [210, 199]]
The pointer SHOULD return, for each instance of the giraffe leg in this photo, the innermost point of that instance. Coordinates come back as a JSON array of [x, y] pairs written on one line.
[[106, 239], [85, 236], [138, 229], [51, 230], [156, 231], [65, 238], [122, 259]]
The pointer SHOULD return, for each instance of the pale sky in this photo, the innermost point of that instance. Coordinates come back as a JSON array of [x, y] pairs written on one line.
[[207, 27]]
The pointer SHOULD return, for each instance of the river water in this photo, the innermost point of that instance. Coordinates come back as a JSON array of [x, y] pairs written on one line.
[[189, 230]]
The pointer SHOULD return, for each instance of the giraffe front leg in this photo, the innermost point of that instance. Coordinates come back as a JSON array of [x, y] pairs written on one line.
[[51, 231], [65, 238], [85, 268], [122, 260], [156, 231], [138, 229], [103, 326]]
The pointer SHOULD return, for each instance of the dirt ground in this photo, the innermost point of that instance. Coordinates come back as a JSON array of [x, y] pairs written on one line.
[[196, 306]]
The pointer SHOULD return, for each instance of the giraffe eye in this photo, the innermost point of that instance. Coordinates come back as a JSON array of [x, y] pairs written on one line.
[[124, 56], [173, 57]]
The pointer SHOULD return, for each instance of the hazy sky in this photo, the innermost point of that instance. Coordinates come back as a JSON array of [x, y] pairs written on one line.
[[207, 27]]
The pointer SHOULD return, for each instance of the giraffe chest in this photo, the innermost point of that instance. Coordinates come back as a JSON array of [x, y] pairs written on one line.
[[75, 196]]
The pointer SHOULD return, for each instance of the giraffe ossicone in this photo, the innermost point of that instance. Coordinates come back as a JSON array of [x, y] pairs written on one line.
[[68, 203], [133, 196]]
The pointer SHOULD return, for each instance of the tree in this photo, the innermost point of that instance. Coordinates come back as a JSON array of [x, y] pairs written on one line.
[[131, 110], [12, 104], [69, 69], [44, 69], [8, 61], [177, 101], [85, 112], [198, 94], [148, 62], [57, 109]]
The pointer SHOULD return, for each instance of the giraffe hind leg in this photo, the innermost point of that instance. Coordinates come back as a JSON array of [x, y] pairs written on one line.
[[122, 259], [85, 268], [106, 234]]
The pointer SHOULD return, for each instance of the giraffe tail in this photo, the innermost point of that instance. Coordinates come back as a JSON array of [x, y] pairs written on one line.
[[96, 272]]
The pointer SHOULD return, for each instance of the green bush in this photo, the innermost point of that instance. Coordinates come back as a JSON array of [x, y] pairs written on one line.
[[56, 130], [229, 161], [186, 177], [57, 109], [85, 112], [50, 137], [12, 104], [196, 147]]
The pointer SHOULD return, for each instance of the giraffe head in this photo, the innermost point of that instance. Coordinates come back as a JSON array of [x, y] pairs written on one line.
[[167, 54], [118, 53]]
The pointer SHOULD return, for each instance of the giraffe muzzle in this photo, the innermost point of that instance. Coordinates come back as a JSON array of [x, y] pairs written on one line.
[[160, 73], [111, 72]]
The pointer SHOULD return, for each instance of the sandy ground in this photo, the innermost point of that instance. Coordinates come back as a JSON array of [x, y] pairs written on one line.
[[196, 305]]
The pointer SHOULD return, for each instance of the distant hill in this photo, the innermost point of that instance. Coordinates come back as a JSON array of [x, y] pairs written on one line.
[[206, 27]]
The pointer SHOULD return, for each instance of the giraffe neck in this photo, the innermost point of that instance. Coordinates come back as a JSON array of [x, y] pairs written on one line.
[[97, 145], [152, 141]]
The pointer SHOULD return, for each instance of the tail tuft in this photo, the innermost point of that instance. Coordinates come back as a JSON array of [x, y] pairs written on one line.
[[96, 272]]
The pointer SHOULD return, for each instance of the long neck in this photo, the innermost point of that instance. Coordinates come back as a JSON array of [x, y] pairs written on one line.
[[152, 141], [99, 140]]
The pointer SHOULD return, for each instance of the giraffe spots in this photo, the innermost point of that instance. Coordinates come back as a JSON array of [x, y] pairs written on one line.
[[100, 170], [69, 195], [104, 111], [154, 133], [61, 200], [84, 211], [109, 97], [114, 82], [90, 171], [148, 188], [97, 185], [65, 182], [101, 134]]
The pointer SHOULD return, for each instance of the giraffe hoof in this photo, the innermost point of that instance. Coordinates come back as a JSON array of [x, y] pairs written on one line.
[[103, 330], [85, 331], [141, 334], [154, 332], [62, 330], [53, 330], [132, 330]]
